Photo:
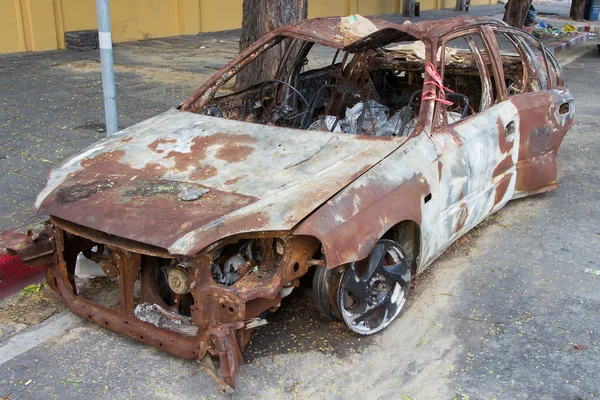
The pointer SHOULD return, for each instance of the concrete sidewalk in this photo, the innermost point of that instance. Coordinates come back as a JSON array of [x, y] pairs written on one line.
[[51, 104]]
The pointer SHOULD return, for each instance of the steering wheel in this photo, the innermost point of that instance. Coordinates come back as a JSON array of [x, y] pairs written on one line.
[[213, 111], [283, 110]]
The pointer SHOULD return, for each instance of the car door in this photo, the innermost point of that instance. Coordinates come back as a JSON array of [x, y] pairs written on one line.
[[477, 153], [547, 109]]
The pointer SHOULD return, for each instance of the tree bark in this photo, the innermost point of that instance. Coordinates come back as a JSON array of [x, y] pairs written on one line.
[[259, 18], [408, 8], [516, 11], [577, 10]]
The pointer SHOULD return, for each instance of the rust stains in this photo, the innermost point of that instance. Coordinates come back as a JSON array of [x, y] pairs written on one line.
[[137, 202], [233, 181], [231, 148], [349, 235], [228, 144], [463, 214], [541, 134], [503, 166], [234, 153], [103, 159], [138, 209], [455, 136], [501, 189], [162, 141], [536, 172], [108, 164], [183, 161], [504, 144], [203, 172]]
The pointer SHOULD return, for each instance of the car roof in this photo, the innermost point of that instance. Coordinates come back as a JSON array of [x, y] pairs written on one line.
[[354, 32]]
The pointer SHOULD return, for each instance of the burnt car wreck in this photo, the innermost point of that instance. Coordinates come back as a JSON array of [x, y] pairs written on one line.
[[361, 169]]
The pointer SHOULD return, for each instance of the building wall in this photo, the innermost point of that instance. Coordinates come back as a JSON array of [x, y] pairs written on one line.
[[36, 25]]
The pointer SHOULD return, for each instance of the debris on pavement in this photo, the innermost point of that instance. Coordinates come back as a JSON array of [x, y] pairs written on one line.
[[36, 287], [25, 309], [161, 318], [592, 271], [544, 29]]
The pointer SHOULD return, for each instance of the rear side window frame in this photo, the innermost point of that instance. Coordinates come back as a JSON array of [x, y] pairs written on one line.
[[520, 38], [484, 74]]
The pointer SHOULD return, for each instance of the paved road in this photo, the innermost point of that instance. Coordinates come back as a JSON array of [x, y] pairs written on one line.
[[497, 318]]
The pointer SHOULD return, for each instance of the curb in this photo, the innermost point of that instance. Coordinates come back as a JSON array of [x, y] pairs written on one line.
[[557, 46], [14, 275]]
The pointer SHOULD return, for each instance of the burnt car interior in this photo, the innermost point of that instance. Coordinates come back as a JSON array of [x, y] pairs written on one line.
[[370, 92]]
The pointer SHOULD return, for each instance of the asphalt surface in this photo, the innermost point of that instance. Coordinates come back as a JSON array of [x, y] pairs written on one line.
[[510, 313]]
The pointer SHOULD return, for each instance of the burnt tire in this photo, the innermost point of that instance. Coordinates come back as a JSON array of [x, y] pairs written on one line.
[[322, 279]]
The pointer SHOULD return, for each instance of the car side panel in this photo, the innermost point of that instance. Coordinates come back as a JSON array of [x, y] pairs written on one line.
[[394, 190], [547, 116], [418, 182]]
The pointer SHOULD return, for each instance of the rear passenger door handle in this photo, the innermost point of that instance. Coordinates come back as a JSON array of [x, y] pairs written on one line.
[[509, 129]]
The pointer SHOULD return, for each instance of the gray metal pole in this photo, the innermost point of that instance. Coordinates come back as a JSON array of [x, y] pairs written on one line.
[[108, 71]]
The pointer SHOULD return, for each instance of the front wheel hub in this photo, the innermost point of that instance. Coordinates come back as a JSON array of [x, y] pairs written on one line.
[[373, 291]]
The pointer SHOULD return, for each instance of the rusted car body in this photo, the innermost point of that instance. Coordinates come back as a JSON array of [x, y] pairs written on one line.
[[218, 216]]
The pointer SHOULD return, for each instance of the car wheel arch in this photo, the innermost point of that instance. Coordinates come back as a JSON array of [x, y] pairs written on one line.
[[406, 232]]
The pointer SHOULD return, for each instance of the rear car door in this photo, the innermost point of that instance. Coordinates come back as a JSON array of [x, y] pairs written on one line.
[[544, 103]]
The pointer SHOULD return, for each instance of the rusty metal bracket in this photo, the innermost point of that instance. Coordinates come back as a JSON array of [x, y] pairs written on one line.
[[39, 247], [210, 369]]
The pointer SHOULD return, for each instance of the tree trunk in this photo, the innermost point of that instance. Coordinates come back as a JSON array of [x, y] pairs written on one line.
[[577, 9], [408, 8], [516, 11], [259, 18]]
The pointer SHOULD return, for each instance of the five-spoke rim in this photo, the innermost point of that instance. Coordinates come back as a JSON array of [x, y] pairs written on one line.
[[373, 291]]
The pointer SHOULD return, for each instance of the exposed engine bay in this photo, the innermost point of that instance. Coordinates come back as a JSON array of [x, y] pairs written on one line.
[[207, 304]]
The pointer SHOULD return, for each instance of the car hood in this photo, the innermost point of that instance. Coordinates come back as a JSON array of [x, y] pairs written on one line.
[[181, 181]]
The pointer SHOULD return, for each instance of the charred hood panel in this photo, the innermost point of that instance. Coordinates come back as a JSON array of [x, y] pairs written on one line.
[[181, 181]]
